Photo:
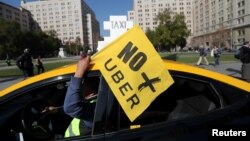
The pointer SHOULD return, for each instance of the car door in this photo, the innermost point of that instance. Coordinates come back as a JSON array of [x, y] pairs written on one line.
[[21, 116], [187, 110], [21, 109]]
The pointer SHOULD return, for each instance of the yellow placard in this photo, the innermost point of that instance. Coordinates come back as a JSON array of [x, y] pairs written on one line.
[[134, 71]]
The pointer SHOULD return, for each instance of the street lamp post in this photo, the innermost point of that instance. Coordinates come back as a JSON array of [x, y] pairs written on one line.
[[231, 38], [231, 25], [76, 50]]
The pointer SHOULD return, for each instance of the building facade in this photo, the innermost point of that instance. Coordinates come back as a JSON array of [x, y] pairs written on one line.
[[11, 13], [224, 23], [145, 12], [70, 19]]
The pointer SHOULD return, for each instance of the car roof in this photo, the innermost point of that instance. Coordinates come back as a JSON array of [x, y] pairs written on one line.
[[170, 65], [176, 66]]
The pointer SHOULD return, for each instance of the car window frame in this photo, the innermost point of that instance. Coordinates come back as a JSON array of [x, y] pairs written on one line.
[[19, 92], [23, 94], [100, 97], [190, 77], [208, 81]]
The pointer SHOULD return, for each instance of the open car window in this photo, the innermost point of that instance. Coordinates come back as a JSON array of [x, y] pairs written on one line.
[[185, 98], [90, 92], [27, 121]]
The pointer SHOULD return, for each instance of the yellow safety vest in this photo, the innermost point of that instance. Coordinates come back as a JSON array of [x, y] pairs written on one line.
[[73, 129]]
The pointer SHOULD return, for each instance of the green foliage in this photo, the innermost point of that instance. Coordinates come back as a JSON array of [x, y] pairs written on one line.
[[74, 48], [13, 41], [153, 37], [9, 38], [181, 42], [172, 31]]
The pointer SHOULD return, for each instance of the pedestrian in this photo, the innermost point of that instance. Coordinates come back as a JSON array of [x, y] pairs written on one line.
[[75, 106], [243, 54], [39, 65], [24, 63], [7, 60], [216, 54], [203, 55]]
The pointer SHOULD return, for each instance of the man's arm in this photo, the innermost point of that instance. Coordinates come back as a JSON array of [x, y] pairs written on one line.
[[18, 61], [73, 103], [73, 100], [52, 110]]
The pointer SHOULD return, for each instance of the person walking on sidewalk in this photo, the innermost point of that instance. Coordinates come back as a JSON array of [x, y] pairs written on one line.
[[203, 55], [39, 65], [7, 60], [243, 54], [216, 52], [24, 63]]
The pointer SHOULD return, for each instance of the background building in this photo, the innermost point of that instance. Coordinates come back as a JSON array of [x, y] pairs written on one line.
[[11, 13], [145, 12], [225, 23], [72, 20]]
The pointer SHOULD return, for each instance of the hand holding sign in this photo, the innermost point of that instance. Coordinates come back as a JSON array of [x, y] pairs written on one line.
[[134, 71], [82, 66]]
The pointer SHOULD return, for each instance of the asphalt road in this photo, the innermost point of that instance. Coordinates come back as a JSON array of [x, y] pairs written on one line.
[[8, 81], [228, 68]]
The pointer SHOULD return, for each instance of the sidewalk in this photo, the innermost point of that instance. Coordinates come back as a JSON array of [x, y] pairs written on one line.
[[7, 81], [228, 68]]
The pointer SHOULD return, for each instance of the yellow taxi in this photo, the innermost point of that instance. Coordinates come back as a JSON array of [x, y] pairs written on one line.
[[198, 102]]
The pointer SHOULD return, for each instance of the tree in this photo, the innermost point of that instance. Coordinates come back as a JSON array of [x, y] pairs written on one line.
[[13, 41], [164, 29], [10, 33], [179, 30], [181, 42], [86, 48], [40, 43], [154, 38], [171, 31], [51, 33], [78, 44], [220, 37]]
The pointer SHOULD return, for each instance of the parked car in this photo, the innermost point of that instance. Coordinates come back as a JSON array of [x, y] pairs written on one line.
[[198, 101]]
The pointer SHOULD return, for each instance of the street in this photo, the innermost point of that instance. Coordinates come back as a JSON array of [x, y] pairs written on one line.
[[228, 68], [5, 82]]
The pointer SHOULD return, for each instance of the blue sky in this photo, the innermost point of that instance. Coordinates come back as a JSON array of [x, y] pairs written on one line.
[[102, 8]]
